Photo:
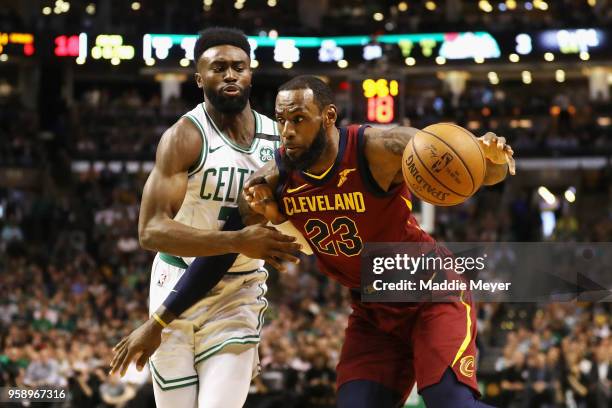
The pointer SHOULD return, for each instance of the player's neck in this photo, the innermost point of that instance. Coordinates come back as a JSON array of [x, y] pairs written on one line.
[[329, 155], [239, 127]]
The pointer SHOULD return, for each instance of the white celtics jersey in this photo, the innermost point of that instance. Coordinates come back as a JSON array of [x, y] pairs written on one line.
[[216, 180]]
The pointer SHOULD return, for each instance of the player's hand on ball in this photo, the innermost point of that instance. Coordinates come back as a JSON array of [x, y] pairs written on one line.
[[139, 345], [497, 151]]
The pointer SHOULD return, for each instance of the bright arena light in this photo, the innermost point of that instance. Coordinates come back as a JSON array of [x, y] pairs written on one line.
[[342, 64], [547, 195], [254, 63], [485, 6], [493, 78], [549, 56], [287, 64], [526, 76], [410, 61], [570, 194], [560, 75], [430, 5], [184, 62], [378, 16], [136, 6], [402, 6], [514, 58], [584, 56], [440, 60]]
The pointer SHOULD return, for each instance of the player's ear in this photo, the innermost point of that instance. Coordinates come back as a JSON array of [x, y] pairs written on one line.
[[330, 114], [199, 80]]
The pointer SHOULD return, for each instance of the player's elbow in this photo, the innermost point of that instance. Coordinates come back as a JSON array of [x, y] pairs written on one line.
[[148, 238]]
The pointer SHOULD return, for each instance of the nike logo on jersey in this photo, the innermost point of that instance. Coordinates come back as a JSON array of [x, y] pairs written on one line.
[[344, 176], [212, 150], [293, 190]]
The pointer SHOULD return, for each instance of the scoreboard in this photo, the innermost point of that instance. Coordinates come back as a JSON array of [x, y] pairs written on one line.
[[377, 100]]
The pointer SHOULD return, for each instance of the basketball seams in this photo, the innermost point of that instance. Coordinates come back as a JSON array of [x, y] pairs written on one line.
[[484, 162], [414, 191], [434, 177]]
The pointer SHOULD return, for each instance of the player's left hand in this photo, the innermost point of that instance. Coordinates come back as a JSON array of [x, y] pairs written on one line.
[[497, 151], [139, 345], [261, 199]]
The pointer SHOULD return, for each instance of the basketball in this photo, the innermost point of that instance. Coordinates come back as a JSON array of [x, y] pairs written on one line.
[[443, 164]]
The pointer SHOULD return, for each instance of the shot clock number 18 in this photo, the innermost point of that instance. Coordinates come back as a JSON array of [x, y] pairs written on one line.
[[380, 96]]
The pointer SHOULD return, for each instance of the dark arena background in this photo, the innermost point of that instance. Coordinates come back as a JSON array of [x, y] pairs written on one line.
[[88, 87]]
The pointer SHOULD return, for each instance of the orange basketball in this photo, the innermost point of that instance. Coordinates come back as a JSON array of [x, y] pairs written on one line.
[[443, 164]]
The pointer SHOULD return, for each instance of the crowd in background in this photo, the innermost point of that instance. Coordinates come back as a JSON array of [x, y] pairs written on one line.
[[75, 279], [550, 121], [300, 17]]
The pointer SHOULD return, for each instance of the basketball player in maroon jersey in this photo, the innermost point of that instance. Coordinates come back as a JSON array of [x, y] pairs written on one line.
[[342, 187]]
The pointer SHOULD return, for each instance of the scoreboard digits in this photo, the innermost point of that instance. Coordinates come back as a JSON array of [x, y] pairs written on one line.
[[380, 98]]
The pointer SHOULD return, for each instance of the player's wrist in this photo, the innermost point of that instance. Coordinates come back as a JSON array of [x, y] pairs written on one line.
[[235, 241], [162, 318], [157, 323]]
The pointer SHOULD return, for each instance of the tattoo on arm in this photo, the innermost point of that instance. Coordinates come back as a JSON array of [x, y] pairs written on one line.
[[394, 145]]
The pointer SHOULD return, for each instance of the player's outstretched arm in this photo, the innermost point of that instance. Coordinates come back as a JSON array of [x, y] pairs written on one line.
[[200, 277], [163, 195], [384, 150]]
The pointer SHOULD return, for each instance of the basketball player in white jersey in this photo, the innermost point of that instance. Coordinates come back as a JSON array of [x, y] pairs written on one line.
[[208, 354]]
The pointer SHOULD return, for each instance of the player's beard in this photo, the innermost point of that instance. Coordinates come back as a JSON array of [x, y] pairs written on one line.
[[310, 156], [228, 105]]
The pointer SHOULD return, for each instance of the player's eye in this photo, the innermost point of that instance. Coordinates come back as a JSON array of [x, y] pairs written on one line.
[[239, 67], [280, 120], [298, 119]]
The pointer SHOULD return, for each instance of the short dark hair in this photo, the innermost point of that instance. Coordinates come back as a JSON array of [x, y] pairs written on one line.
[[323, 94], [214, 36]]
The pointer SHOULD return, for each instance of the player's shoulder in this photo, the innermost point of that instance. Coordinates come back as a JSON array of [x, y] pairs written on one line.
[[372, 133], [181, 142], [185, 131]]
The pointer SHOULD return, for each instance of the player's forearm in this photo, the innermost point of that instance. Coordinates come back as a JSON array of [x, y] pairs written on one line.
[[495, 173], [200, 277], [182, 240]]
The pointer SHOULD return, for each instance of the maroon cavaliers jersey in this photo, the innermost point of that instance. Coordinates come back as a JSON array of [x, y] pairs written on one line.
[[345, 208]]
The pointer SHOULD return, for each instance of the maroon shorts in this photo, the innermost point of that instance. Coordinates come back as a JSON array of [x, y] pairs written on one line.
[[397, 344]]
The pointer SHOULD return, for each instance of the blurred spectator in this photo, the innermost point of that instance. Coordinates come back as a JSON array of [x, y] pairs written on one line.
[[115, 393]]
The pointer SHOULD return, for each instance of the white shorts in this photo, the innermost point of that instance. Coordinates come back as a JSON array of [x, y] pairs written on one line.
[[230, 315]]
